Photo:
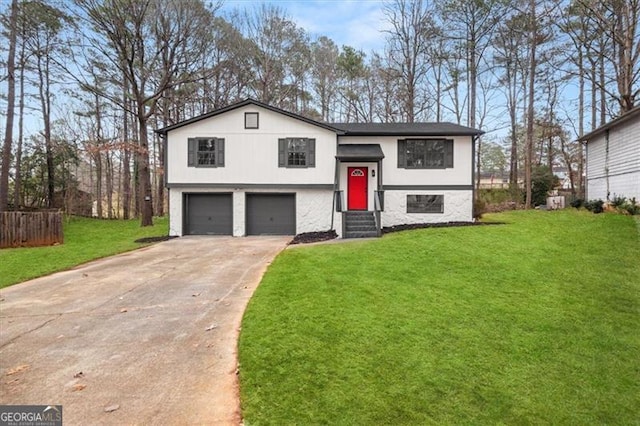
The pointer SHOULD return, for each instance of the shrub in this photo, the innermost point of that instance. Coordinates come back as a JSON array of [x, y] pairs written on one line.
[[618, 201], [479, 208], [595, 206], [632, 207], [500, 195], [542, 181], [577, 203]]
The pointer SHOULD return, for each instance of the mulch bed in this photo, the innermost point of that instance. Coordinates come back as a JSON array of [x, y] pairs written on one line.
[[397, 228], [155, 239], [313, 237]]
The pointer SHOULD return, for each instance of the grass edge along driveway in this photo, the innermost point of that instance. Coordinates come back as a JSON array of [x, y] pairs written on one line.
[[535, 321], [85, 239]]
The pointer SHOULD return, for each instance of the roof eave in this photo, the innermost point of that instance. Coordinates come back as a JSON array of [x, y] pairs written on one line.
[[348, 133], [241, 104], [616, 121]]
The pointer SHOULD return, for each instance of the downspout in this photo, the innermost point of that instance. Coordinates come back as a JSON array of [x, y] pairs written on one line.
[[163, 137], [474, 139], [606, 160], [335, 187], [584, 172]]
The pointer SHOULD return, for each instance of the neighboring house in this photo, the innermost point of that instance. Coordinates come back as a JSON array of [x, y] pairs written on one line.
[[613, 158], [490, 180], [253, 169]]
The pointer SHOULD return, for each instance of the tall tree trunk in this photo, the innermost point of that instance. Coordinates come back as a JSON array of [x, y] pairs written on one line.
[[530, 113], [17, 186], [513, 111], [126, 155], [580, 122], [97, 159], [136, 168], [144, 193], [98, 156], [603, 93], [109, 182], [11, 99], [44, 89], [594, 96]]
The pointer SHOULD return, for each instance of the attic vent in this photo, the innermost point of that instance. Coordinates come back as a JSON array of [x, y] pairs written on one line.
[[250, 120]]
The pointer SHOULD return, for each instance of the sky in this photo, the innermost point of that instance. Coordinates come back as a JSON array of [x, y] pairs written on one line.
[[356, 23]]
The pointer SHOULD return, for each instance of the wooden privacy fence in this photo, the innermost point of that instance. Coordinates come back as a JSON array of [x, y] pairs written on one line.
[[30, 229]]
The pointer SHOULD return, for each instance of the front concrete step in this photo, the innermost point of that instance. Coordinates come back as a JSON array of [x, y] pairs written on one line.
[[359, 225]]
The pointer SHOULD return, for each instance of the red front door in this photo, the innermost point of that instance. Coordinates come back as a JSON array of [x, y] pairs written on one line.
[[357, 188]]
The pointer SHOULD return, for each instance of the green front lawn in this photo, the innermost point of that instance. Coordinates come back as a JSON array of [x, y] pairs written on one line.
[[533, 322], [85, 239]]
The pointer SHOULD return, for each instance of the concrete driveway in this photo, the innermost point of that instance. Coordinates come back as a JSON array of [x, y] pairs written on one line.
[[146, 337]]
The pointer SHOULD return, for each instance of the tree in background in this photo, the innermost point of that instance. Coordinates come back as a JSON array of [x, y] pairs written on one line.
[[11, 99], [155, 45], [407, 45]]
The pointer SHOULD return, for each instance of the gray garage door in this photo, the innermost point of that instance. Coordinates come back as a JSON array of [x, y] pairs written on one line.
[[208, 214], [271, 214]]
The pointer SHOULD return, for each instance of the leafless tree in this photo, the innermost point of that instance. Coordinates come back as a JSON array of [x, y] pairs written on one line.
[[11, 99]]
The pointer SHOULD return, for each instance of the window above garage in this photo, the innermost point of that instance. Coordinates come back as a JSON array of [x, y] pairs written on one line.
[[296, 152], [205, 152]]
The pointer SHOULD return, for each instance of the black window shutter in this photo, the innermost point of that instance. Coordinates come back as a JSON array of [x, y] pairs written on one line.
[[448, 153], [402, 153], [311, 149], [220, 152], [282, 150], [191, 153]]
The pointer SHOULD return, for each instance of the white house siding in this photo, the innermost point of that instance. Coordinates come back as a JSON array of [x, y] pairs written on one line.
[[251, 155], [313, 208], [458, 207], [458, 204], [623, 162]]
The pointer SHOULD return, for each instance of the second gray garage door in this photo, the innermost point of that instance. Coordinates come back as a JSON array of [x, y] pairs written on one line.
[[208, 214], [271, 214]]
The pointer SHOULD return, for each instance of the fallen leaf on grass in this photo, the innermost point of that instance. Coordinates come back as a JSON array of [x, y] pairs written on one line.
[[78, 387], [18, 369]]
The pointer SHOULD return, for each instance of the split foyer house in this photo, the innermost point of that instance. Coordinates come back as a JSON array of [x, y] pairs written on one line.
[[613, 158], [253, 169]]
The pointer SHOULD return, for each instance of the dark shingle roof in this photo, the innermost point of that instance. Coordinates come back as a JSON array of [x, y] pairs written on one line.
[[360, 152], [348, 129], [242, 104], [405, 129]]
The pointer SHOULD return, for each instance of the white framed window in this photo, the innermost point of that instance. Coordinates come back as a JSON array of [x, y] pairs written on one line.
[[296, 152], [425, 153], [205, 152]]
